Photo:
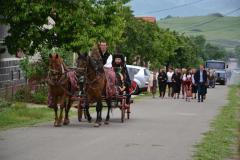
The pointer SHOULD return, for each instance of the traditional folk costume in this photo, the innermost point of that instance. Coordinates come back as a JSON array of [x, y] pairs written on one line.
[[188, 87], [122, 77]]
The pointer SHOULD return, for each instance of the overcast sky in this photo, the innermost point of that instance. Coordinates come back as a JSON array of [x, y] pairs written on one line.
[[202, 7]]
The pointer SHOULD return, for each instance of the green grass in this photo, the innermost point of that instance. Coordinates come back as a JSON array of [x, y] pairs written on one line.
[[224, 31], [19, 115], [220, 141]]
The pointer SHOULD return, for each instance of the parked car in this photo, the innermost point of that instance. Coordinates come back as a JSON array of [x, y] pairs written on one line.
[[140, 75]]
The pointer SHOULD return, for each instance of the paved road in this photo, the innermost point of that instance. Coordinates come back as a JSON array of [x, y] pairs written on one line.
[[158, 130]]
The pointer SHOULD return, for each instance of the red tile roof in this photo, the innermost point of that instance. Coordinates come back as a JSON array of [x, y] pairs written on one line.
[[148, 19]]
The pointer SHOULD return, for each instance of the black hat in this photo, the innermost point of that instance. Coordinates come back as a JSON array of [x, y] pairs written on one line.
[[118, 55]]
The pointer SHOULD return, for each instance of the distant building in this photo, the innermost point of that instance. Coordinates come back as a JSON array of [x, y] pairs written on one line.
[[10, 72], [148, 19]]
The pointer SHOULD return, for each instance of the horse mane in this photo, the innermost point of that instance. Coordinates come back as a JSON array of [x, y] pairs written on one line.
[[95, 54]]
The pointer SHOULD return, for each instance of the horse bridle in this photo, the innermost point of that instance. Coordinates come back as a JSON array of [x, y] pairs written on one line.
[[86, 72], [54, 72]]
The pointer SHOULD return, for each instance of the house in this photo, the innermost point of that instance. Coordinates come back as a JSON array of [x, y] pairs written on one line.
[[10, 72], [148, 19]]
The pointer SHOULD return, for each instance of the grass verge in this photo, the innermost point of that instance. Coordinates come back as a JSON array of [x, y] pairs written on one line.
[[219, 142], [19, 115]]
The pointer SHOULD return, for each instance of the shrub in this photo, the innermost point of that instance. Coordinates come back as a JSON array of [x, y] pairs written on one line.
[[40, 95], [22, 94]]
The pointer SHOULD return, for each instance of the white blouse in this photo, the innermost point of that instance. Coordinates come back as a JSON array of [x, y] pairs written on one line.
[[169, 76]]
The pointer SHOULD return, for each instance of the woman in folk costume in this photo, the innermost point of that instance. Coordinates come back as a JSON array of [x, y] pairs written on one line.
[[122, 76], [183, 81], [188, 85]]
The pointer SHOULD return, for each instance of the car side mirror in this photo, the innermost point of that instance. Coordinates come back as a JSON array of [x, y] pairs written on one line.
[[226, 66]]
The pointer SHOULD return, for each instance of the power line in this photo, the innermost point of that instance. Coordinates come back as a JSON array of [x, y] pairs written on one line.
[[211, 20], [175, 7]]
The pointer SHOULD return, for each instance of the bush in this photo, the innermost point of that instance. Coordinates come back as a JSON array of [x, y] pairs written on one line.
[[40, 96], [22, 94]]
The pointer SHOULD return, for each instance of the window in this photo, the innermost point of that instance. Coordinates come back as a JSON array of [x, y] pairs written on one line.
[[215, 65], [132, 72], [146, 72]]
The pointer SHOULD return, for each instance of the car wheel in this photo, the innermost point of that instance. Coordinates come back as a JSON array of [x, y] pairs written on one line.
[[137, 90]]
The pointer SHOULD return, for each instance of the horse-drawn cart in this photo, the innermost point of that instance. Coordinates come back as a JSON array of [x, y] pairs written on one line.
[[118, 101], [90, 81]]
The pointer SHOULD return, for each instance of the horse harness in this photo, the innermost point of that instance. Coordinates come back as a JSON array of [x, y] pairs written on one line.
[[97, 69], [61, 76]]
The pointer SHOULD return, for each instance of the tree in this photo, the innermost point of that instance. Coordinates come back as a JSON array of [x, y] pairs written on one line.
[[215, 52], [200, 43], [77, 24]]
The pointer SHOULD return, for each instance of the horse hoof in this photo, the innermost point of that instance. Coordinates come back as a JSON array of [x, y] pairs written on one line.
[[96, 125], [106, 123], [90, 120], [57, 125], [66, 122]]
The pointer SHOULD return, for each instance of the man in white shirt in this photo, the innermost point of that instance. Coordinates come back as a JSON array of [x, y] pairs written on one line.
[[106, 56], [107, 65]]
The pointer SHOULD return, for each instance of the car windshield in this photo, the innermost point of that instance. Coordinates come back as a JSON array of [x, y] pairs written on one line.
[[132, 72], [146, 72], [215, 65]]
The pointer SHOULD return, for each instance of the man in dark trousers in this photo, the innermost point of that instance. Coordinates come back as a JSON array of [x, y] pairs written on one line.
[[201, 80]]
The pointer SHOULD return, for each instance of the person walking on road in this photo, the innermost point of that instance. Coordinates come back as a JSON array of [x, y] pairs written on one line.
[[169, 82], [201, 79], [176, 80], [183, 80], [188, 85], [194, 85], [153, 84], [162, 82]]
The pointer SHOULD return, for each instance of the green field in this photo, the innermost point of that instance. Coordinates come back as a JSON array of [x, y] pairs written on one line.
[[224, 31]]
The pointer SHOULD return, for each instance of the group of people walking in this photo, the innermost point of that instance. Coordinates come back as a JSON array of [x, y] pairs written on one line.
[[190, 83]]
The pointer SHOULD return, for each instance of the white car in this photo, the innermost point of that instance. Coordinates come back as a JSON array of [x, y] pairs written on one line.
[[140, 75]]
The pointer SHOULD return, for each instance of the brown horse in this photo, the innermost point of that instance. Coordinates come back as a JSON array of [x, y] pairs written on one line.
[[95, 84], [62, 84]]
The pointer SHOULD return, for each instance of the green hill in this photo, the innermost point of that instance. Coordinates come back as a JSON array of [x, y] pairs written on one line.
[[224, 31]]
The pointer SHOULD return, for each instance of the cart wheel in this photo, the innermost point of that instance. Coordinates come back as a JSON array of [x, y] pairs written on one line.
[[80, 113], [123, 107]]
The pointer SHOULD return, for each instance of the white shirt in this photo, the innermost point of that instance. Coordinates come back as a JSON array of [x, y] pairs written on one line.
[[109, 62], [184, 78], [169, 76]]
